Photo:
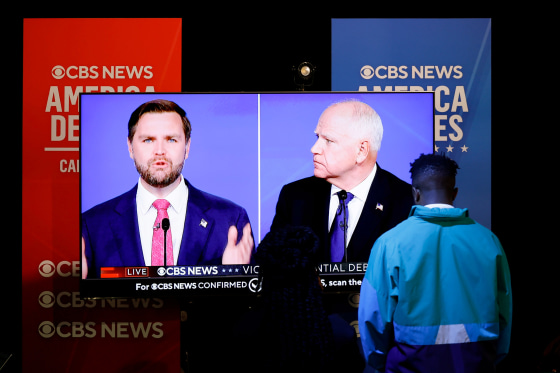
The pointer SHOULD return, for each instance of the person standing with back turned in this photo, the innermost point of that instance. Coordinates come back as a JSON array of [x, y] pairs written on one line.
[[436, 295]]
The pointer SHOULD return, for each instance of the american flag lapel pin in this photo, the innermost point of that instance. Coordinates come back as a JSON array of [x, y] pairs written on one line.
[[203, 223], [379, 206]]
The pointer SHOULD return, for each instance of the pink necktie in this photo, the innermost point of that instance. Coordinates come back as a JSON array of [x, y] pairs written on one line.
[[157, 240]]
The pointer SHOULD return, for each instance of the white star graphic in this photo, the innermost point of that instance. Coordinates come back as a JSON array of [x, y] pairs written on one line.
[[464, 148], [450, 149]]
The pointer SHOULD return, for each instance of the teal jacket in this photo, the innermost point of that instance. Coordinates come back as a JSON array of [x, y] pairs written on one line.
[[435, 280]]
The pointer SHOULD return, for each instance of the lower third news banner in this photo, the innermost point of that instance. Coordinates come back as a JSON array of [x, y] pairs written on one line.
[[174, 281]]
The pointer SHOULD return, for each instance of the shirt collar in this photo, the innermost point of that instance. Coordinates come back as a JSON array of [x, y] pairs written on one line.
[[361, 190], [439, 205], [177, 198]]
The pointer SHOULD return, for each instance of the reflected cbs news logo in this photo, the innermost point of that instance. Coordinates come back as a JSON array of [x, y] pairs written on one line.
[[120, 329], [64, 268], [77, 329]]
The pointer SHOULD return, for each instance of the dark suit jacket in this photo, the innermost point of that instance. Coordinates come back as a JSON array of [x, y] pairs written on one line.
[[112, 237], [306, 202]]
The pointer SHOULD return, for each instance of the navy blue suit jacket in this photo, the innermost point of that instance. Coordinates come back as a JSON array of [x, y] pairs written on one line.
[[112, 238], [306, 202]]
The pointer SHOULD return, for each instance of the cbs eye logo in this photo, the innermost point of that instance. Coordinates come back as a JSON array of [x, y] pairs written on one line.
[[47, 268], [58, 72], [47, 299], [46, 329], [367, 72]]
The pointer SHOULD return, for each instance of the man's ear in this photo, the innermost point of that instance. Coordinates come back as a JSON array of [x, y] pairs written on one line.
[[363, 151], [455, 191], [130, 152], [187, 148], [416, 195]]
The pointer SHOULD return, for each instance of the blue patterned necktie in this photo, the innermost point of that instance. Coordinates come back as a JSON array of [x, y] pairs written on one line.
[[338, 227]]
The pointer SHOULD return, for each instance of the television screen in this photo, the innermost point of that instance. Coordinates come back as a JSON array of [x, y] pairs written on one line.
[[244, 147]]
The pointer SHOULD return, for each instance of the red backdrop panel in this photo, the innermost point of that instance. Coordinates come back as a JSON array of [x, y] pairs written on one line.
[[61, 331]]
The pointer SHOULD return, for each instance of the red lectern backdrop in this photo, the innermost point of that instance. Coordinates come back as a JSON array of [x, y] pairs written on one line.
[[61, 331]]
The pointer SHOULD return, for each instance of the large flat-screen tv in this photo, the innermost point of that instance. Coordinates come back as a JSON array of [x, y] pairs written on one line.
[[244, 148]]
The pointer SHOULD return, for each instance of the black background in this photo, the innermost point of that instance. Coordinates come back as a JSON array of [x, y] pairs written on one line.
[[253, 48]]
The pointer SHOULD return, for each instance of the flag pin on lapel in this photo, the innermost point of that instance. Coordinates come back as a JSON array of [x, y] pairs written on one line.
[[203, 223], [379, 206]]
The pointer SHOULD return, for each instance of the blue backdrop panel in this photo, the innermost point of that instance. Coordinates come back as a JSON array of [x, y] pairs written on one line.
[[451, 57]]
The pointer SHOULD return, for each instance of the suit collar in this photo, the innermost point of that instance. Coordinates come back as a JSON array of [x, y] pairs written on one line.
[[124, 226], [198, 226], [373, 212]]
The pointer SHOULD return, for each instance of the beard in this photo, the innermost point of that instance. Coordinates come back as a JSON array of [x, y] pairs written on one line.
[[159, 179]]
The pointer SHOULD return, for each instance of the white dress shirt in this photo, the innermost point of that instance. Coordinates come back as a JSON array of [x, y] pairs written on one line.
[[439, 205], [355, 206], [147, 214]]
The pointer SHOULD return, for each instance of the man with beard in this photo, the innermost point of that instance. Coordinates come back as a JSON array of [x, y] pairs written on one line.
[[203, 228]]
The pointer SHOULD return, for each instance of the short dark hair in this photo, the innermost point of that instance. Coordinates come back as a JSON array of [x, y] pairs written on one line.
[[432, 165], [158, 106]]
